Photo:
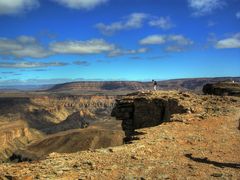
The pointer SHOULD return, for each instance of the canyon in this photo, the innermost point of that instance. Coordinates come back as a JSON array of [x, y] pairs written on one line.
[[33, 123], [140, 135]]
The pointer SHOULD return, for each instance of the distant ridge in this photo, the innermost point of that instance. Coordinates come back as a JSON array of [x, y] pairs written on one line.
[[194, 84], [100, 86]]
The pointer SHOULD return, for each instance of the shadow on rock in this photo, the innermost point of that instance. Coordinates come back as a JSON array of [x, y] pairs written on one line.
[[132, 137], [215, 163]]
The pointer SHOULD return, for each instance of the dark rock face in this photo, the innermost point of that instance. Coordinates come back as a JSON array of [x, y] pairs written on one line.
[[138, 111], [222, 88], [19, 158]]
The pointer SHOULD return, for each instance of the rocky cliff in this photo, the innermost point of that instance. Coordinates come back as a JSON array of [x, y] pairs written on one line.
[[225, 88], [151, 108], [139, 110]]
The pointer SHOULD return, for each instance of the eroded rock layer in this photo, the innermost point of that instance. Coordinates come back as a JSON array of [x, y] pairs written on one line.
[[26, 119]]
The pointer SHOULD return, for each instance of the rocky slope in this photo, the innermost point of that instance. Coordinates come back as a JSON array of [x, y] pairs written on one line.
[[200, 142], [73, 140], [26, 119], [15, 135]]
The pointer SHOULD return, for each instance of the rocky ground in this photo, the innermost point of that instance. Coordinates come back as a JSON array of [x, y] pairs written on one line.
[[202, 143]]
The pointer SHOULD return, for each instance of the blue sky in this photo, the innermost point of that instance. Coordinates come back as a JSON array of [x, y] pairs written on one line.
[[54, 41]]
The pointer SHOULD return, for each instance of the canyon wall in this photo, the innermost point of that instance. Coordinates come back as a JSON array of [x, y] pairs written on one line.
[[27, 119]]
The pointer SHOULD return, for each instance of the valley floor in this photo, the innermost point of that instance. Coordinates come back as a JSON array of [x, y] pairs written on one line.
[[194, 149]]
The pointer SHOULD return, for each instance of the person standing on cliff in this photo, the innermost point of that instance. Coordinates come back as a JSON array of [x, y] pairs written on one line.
[[154, 85]]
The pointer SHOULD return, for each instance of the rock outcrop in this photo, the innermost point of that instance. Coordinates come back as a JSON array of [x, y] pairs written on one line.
[[147, 109], [225, 88], [139, 110]]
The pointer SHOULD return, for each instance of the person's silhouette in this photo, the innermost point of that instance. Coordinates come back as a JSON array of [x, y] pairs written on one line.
[[154, 85]]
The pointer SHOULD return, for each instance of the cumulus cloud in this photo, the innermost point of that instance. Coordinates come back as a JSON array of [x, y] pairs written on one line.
[[205, 7], [161, 22], [21, 47], [11, 7], [30, 64], [133, 21], [93, 46], [179, 39], [174, 42], [227, 43], [80, 4], [153, 40], [238, 15], [26, 39], [162, 39], [121, 52], [30, 47]]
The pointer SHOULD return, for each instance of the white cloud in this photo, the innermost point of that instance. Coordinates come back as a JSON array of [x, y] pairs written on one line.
[[179, 39], [204, 7], [93, 46], [10, 7], [133, 21], [162, 39], [174, 48], [81, 4], [161, 22], [153, 40], [30, 47], [26, 39], [121, 52], [231, 42], [21, 47], [175, 43], [9, 45], [238, 15], [30, 64]]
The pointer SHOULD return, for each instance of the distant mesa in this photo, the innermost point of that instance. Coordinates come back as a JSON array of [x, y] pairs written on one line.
[[98, 86], [223, 88], [192, 84]]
